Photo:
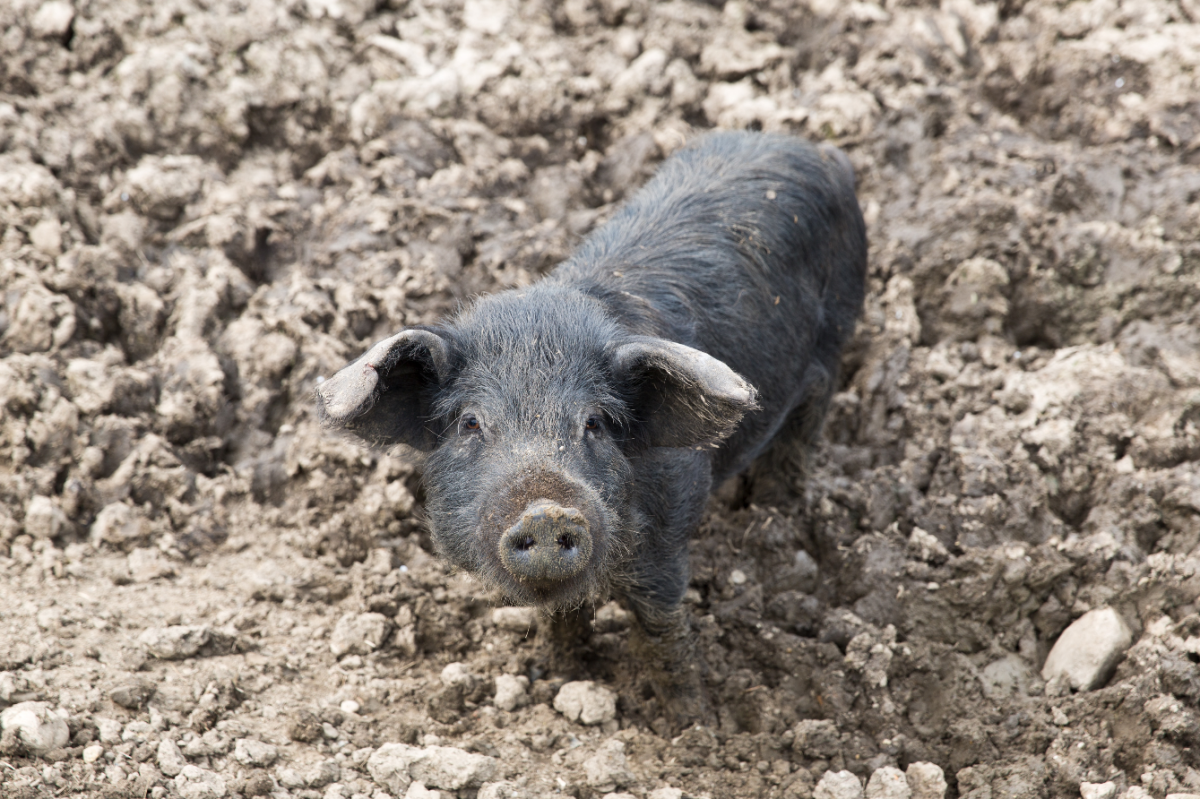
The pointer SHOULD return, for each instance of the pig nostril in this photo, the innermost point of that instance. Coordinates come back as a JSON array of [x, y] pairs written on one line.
[[548, 544]]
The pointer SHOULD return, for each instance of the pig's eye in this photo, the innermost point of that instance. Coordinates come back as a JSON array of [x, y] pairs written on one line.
[[470, 423], [592, 425]]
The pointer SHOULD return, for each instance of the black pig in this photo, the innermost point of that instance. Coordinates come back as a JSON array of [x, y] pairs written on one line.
[[576, 427]]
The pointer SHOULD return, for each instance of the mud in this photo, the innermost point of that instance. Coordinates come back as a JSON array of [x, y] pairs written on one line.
[[207, 206]]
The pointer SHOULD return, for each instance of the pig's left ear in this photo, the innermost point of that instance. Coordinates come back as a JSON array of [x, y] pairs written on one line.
[[385, 396], [680, 396]]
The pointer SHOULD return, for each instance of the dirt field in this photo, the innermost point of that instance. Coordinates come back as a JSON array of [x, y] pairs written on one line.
[[206, 206]]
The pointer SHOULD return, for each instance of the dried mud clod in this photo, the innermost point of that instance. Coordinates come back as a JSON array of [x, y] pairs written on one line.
[[206, 208]]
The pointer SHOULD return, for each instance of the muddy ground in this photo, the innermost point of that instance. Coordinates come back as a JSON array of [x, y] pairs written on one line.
[[207, 206]]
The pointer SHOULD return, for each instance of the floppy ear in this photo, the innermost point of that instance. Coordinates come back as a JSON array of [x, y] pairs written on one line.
[[384, 396], [680, 396]]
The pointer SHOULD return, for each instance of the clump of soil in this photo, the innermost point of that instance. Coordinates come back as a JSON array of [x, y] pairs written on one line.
[[207, 207]]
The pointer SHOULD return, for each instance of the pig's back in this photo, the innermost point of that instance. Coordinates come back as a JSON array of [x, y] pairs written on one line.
[[748, 246]]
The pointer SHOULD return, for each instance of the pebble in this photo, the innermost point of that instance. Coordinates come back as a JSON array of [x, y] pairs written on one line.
[[250, 752], [816, 738], [515, 620], [170, 759], [323, 774], [213, 742], [44, 518], [94, 752], [289, 778], [926, 780], [665, 793], [110, 730], [396, 766], [40, 320], [1182, 795], [608, 769], [350, 706], [1098, 790], [47, 236], [53, 19], [177, 642], [1087, 651], [888, 783], [118, 523], [137, 731], [1002, 678], [586, 702], [161, 186], [197, 783], [838, 785], [359, 633], [458, 674], [38, 727], [511, 692]]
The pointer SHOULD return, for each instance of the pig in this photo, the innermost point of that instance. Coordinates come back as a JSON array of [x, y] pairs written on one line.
[[574, 429]]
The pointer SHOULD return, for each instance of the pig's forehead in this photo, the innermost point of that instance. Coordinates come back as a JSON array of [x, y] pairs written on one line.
[[544, 347], [547, 315], [531, 372], [546, 336], [536, 379]]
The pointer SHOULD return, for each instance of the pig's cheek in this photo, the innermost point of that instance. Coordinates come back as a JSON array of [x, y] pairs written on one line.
[[450, 473], [609, 471]]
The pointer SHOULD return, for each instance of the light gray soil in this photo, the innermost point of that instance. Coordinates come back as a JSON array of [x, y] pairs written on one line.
[[208, 205]]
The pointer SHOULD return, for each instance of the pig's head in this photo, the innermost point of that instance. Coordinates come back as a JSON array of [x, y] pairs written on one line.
[[533, 407]]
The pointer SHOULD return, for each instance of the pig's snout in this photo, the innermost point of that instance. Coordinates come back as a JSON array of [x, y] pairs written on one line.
[[547, 545]]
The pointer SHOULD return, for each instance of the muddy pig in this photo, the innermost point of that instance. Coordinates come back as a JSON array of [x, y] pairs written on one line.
[[575, 428]]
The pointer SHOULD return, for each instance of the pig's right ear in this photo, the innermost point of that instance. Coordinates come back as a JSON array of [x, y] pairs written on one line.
[[384, 396], [680, 396]]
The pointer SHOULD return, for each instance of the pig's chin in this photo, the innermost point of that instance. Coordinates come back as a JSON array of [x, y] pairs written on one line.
[[561, 597]]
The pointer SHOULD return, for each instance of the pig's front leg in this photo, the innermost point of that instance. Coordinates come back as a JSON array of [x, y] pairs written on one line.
[[662, 640], [674, 485]]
